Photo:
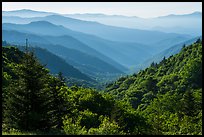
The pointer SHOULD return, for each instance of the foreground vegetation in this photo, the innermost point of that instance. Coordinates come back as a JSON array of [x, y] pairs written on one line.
[[162, 99]]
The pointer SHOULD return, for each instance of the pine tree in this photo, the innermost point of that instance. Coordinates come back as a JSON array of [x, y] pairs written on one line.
[[58, 102], [188, 103], [28, 102]]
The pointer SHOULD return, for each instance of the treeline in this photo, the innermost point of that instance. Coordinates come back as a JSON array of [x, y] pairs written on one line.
[[162, 99]]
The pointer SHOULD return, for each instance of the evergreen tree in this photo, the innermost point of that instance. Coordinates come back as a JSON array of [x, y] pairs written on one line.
[[198, 40], [188, 103], [27, 103], [184, 45], [58, 103]]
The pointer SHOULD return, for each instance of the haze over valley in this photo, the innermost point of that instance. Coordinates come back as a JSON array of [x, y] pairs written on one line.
[[74, 68], [124, 47]]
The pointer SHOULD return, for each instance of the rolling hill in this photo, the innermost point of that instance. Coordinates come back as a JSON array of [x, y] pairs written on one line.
[[86, 63], [121, 52], [46, 28], [142, 43], [183, 24], [54, 63], [26, 13], [104, 31]]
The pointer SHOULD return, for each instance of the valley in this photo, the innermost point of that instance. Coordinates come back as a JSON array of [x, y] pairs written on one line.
[[101, 74]]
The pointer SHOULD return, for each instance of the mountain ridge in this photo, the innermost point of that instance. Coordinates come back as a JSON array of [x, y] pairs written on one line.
[[72, 56]]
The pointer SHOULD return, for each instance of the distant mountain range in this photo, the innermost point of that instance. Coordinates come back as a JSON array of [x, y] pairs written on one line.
[[183, 24], [86, 63], [137, 41], [104, 31], [99, 45], [26, 13], [165, 54], [95, 44], [190, 24]]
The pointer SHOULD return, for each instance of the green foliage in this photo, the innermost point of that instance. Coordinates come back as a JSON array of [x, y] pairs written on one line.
[[57, 100], [167, 94], [106, 127], [72, 127], [27, 99], [164, 99], [89, 119]]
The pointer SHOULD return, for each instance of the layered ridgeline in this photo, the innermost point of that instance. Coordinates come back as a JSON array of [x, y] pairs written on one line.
[[114, 53], [184, 24], [121, 34], [61, 36], [54, 63], [168, 94], [117, 43], [79, 55]]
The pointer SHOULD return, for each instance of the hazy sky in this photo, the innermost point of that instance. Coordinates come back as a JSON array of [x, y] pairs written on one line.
[[140, 9]]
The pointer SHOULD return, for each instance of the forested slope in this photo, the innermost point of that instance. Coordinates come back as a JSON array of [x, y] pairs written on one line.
[[168, 94], [165, 98], [51, 61], [36, 102]]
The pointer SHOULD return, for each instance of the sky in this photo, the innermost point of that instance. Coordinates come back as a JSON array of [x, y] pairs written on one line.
[[139, 9]]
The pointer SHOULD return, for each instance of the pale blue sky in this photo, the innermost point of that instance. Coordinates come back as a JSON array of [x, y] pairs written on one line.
[[140, 9]]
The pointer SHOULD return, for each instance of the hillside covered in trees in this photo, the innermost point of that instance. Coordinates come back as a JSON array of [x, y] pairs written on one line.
[[50, 61], [165, 98], [168, 94]]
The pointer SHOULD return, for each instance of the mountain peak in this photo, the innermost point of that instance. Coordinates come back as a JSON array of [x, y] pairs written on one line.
[[194, 14], [40, 22], [26, 13], [24, 10]]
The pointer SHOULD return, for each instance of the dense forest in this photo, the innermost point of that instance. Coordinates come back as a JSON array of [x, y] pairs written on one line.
[[163, 99]]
